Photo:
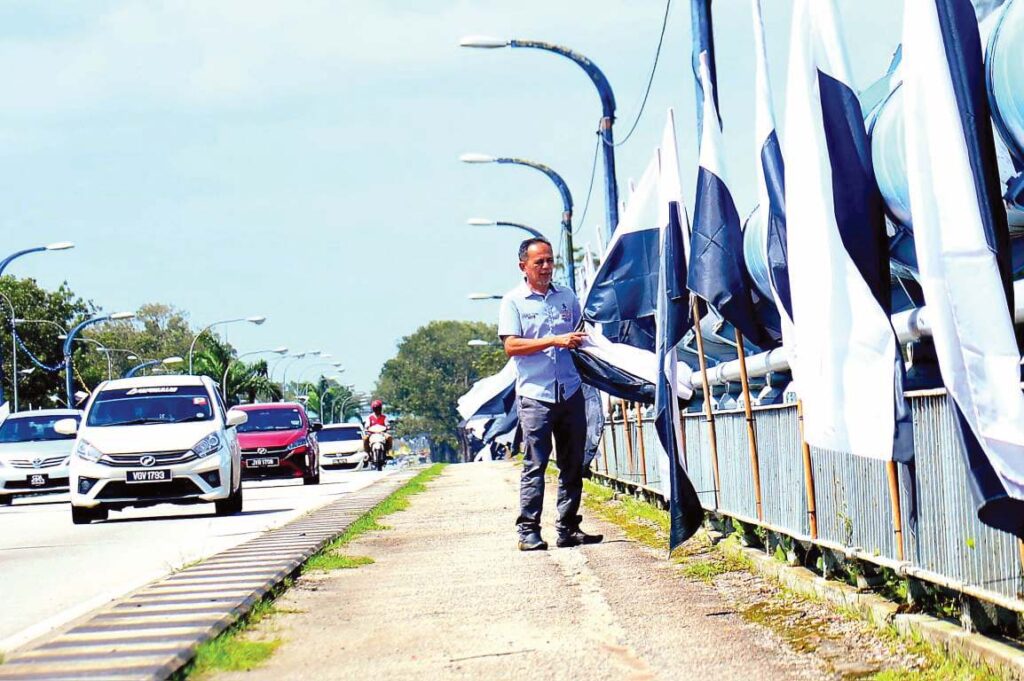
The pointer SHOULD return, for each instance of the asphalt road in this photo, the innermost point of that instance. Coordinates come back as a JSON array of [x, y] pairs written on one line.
[[54, 572]]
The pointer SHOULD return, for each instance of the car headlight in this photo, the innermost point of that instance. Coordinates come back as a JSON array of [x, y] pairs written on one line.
[[87, 452], [301, 442], [208, 445]]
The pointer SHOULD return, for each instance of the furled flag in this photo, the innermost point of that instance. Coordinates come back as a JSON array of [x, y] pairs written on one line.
[[962, 244], [771, 184], [716, 271], [490, 396], [703, 44], [673, 320], [845, 357]]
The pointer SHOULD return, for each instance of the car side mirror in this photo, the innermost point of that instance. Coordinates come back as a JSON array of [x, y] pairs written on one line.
[[66, 426], [316, 427], [236, 417]]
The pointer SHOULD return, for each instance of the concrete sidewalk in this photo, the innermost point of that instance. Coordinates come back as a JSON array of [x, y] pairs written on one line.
[[450, 597]]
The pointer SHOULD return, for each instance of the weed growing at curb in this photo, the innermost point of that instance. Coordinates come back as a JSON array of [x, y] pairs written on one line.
[[231, 651]]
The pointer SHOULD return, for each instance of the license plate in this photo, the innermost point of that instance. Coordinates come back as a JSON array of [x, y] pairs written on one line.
[[157, 475], [38, 480], [265, 462]]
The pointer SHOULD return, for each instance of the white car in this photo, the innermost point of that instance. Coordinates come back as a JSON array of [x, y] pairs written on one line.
[[33, 456], [154, 440], [341, 445]]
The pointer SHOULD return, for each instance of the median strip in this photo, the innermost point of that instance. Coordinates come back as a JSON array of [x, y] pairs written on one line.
[[205, 599]]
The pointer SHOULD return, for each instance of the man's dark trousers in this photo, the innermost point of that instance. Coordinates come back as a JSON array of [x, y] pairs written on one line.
[[567, 421]]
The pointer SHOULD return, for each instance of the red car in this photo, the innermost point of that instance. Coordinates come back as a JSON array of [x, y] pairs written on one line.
[[278, 441]]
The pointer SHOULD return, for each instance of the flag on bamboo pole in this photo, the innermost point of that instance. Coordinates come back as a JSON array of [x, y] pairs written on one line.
[[703, 43], [673, 320], [845, 358], [717, 272], [962, 243], [771, 185]]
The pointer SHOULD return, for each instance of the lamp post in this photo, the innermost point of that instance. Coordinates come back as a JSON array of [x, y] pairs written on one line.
[[224, 381], [68, 345], [58, 246], [486, 222], [354, 397], [167, 361], [101, 347], [563, 190], [252, 320], [604, 90], [299, 356], [323, 396], [337, 367]]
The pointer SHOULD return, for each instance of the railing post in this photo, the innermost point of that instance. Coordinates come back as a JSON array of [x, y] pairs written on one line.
[[894, 501], [708, 415], [628, 438], [640, 441], [755, 463], [812, 514]]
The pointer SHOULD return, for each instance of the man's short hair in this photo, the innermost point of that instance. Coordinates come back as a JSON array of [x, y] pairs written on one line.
[[525, 246]]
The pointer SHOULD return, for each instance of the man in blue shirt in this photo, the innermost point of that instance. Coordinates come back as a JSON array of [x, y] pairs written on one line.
[[537, 325]]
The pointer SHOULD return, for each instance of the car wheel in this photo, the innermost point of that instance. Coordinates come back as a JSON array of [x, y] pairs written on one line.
[[84, 516], [6, 499], [314, 478], [231, 505]]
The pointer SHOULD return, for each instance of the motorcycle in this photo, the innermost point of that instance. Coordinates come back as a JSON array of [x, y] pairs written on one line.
[[378, 443]]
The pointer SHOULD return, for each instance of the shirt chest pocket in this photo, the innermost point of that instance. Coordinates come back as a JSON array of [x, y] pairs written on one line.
[[559, 319]]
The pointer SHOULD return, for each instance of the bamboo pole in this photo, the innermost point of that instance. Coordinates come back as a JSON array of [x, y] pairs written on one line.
[[894, 501], [628, 437], [615, 446], [812, 513], [708, 415], [640, 441], [755, 463]]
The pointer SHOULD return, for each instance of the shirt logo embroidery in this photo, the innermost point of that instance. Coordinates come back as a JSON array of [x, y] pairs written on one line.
[[566, 313]]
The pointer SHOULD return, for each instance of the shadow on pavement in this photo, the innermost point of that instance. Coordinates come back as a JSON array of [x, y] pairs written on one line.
[[192, 516]]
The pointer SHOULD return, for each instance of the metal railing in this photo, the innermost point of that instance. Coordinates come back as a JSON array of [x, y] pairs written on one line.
[[947, 545]]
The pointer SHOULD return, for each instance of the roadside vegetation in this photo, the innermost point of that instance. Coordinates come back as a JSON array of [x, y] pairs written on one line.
[[804, 624], [235, 649]]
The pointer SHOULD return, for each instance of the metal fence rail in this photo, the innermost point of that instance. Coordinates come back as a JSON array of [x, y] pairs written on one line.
[[943, 541]]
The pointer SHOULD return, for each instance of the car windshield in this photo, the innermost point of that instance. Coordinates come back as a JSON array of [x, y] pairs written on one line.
[[150, 404], [261, 420], [339, 434], [33, 429]]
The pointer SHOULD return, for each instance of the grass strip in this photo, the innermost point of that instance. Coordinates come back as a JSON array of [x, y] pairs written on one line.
[[232, 651], [701, 560]]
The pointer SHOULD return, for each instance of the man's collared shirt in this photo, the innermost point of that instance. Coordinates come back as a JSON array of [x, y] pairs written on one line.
[[548, 375]]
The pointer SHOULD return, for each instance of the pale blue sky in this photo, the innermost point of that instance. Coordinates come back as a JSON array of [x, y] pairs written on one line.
[[299, 159]]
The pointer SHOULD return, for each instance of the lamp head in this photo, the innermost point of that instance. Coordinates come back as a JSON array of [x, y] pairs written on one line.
[[60, 246], [477, 343], [481, 222], [483, 41], [256, 320], [477, 158], [122, 315], [281, 350], [172, 360]]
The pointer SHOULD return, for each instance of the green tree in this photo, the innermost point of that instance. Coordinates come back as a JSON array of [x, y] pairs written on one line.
[[58, 311], [433, 368]]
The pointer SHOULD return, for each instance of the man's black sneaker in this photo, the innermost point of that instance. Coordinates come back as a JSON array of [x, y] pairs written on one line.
[[532, 542], [577, 538]]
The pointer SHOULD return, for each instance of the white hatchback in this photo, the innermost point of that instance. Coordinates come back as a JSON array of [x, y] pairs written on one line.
[[341, 445], [154, 440], [33, 456]]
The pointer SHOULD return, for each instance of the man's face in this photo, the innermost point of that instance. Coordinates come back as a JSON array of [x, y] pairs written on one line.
[[538, 266]]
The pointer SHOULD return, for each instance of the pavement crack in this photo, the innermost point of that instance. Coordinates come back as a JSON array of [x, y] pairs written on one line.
[[499, 654]]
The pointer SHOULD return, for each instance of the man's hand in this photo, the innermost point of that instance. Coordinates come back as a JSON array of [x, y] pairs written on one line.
[[570, 341]]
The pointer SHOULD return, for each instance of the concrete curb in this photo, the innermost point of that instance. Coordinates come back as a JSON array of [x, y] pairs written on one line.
[[883, 613], [154, 631]]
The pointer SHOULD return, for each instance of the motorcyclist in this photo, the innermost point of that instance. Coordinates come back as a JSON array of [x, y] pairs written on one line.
[[377, 417]]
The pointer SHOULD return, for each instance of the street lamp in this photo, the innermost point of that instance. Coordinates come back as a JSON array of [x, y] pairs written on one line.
[[604, 90], [224, 381], [167, 361], [298, 356], [484, 296], [57, 246], [486, 222], [68, 344], [252, 320], [478, 343], [563, 189], [100, 346]]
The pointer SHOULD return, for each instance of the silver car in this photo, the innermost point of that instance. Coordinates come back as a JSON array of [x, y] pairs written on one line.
[[33, 456]]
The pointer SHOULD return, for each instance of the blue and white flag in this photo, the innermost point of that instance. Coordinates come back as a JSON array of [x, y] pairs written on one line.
[[717, 272], [673, 320], [490, 396], [703, 44], [626, 283], [771, 185], [962, 242], [845, 358]]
